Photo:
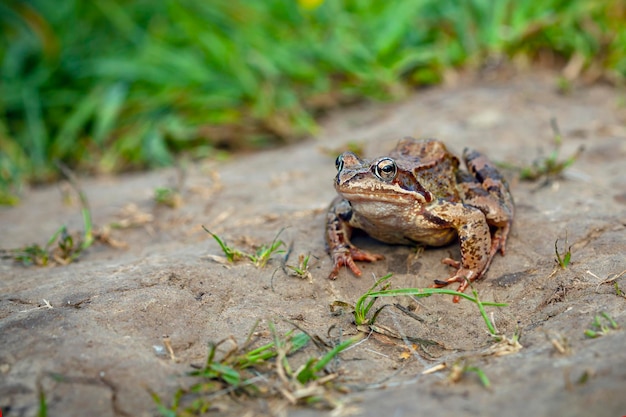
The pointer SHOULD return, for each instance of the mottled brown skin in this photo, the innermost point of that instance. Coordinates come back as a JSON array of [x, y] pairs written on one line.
[[418, 194]]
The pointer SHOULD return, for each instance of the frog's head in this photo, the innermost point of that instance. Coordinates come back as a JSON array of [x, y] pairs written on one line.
[[383, 180]]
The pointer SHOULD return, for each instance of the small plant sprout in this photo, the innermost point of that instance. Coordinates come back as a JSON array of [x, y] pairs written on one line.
[[302, 269], [34, 254], [232, 255], [550, 166], [265, 252], [462, 367], [169, 197], [563, 260], [43, 406], [602, 325], [62, 248], [611, 280], [311, 370], [259, 258], [365, 303], [172, 196]]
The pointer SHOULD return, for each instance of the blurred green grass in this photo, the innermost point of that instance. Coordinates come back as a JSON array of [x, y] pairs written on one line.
[[114, 85]]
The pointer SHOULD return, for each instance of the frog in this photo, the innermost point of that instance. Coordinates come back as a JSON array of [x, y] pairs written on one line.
[[419, 194]]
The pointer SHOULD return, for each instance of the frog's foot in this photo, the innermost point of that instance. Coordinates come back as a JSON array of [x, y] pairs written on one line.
[[464, 276], [498, 240], [346, 257]]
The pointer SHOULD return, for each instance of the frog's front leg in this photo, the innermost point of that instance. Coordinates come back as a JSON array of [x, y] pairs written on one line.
[[338, 231], [475, 242]]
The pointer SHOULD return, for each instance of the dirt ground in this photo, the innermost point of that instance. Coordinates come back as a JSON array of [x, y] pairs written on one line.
[[98, 348]]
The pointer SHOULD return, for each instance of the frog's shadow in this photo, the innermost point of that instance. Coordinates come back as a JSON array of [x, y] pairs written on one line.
[[422, 262]]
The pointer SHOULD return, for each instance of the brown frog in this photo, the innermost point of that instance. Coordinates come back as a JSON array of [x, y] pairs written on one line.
[[418, 194]]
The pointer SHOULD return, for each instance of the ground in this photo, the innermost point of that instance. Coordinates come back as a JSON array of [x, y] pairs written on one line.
[[98, 348]]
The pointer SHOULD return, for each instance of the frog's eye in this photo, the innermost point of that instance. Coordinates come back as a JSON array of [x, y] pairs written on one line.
[[339, 163], [386, 169]]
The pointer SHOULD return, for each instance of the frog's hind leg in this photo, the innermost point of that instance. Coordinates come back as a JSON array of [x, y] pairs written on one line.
[[475, 242], [487, 190]]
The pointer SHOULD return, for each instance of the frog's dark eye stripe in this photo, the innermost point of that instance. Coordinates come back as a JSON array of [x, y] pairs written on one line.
[[386, 169]]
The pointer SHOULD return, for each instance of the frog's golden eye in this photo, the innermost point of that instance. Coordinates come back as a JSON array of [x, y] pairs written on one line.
[[339, 162], [386, 169]]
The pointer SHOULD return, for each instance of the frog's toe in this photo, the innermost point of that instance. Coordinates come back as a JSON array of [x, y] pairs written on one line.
[[341, 260], [361, 255], [461, 288], [451, 262], [348, 256], [461, 276], [440, 284], [498, 244]]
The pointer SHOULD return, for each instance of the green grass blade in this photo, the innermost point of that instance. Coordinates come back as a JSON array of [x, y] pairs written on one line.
[[227, 373], [313, 366], [43, 407], [483, 313], [108, 111], [427, 292], [71, 129], [37, 137], [237, 73]]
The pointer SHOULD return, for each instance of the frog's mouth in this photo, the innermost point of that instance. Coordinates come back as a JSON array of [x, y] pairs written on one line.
[[396, 195]]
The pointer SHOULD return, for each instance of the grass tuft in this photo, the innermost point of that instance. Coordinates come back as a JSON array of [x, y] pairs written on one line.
[[563, 260], [462, 367], [302, 269], [168, 197], [261, 371], [259, 258], [550, 167], [602, 325], [61, 248]]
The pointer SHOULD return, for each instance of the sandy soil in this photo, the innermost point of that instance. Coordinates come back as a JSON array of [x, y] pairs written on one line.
[[99, 349]]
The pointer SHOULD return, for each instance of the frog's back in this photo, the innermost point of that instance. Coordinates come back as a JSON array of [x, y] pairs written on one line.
[[432, 165]]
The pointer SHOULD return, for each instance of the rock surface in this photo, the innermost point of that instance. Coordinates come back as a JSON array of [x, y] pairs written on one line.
[[99, 349]]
